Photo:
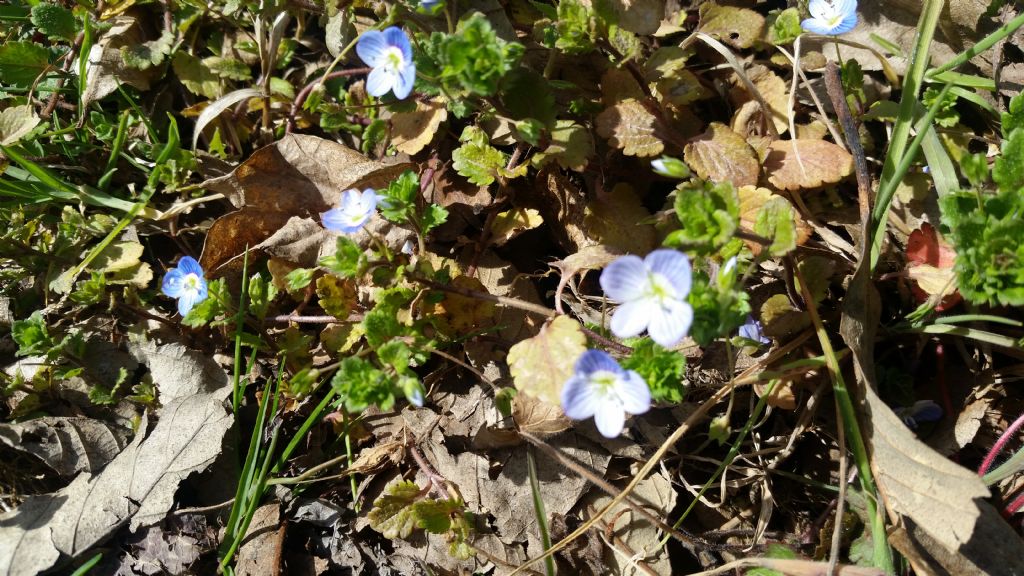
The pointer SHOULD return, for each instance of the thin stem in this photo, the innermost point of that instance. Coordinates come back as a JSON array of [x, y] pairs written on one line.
[[1000, 444], [303, 94]]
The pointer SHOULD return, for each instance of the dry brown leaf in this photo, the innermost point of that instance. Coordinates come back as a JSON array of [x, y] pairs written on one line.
[[412, 131], [631, 127], [69, 445], [752, 199], [232, 233], [538, 418], [721, 155], [800, 164], [260, 552], [511, 223], [773, 90], [619, 220], [461, 315], [656, 494], [639, 16], [106, 70]]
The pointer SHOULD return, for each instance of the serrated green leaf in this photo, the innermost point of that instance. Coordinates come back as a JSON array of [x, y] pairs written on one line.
[[228, 68], [347, 260], [435, 516], [476, 160], [298, 279], [433, 216], [663, 370], [206, 311], [1008, 170], [31, 335], [54, 20], [785, 27], [337, 296], [398, 201], [148, 54], [777, 222], [197, 76], [708, 214], [392, 514]]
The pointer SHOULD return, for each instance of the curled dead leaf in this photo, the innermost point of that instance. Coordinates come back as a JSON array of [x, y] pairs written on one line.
[[800, 164]]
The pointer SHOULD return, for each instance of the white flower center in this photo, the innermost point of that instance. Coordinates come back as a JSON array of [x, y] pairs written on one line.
[[192, 282], [393, 59], [604, 382], [660, 288]]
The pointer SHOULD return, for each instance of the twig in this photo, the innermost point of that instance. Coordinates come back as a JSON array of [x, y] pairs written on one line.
[[202, 509], [306, 319], [502, 300], [436, 480], [834, 87]]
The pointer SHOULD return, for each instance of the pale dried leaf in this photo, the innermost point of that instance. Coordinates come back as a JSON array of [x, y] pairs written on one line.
[[773, 91], [656, 494], [639, 16], [261, 549], [177, 371], [136, 488], [800, 164], [620, 221], [631, 127], [538, 418], [15, 122], [738, 27], [412, 131], [511, 223], [721, 155], [541, 365], [105, 69], [69, 445]]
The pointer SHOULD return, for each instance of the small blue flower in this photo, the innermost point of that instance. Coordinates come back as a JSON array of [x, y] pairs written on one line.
[[653, 294], [670, 167], [429, 6], [831, 17], [601, 389], [921, 411], [355, 210], [753, 331], [186, 283], [390, 55]]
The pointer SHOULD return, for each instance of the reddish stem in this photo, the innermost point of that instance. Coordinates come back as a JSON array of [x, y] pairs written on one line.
[[1000, 444], [300, 99], [1014, 506]]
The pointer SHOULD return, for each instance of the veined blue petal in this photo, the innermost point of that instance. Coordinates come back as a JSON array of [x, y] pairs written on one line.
[[188, 265], [405, 81], [334, 219], [849, 23], [372, 47], [188, 299], [380, 81], [670, 322], [609, 417], [394, 36], [579, 398], [369, 200], [633, 317], [173, 283], [674, 266], [625, 279], [593, 360], [633, 392], [816, 26], [820, 9]]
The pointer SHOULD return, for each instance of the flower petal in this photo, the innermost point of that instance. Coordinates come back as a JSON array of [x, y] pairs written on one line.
[[634, 393], [593, 360], [670, 322], [674, 266], [372, 47], [173, 283], [188, 299], [820, 9], [625, 279], [335, 219], [849, 23], [579, 398], [394, 36], [188, 265], [632, 318], [379, 82], [369, 200], [609, 418], [405, 80], [816, 26]]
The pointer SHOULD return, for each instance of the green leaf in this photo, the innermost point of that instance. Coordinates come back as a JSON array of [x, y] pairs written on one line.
[[399, 198], [576, 27], [91, 290], [435, 516], [571, 145], [31, 335], [1013, 118], [228, 68], [348, 259], [717, 310], [392, 514], [708, 213], [477, 160], [204, 312], [148, 54], [433, 217], [54, 20], [337, 296], [299, 278], [396, 354], [777, 222], [261, 294], [785, 27], [197, 76], [1008, 171], [472, 61], [526, 94], [662, 369], [21, 63]]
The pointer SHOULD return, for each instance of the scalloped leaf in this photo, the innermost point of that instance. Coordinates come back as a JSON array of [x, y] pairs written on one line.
[[721, 155], [632, 128], [738, 27], [799, 164], [541, 365]]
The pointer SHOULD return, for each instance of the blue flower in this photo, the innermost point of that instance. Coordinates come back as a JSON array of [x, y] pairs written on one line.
[[601, 389], [653, 294], [390, 55], [753, 331], [430, 5], [831, 17], [670, 167], [355, 210], [186, 283], [921, 411]]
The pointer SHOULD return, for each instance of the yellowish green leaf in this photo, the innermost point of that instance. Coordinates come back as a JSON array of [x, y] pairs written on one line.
[[632, 128], [738, 27], [541, 365], [15, 122], [721, 155], [511, 223]]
